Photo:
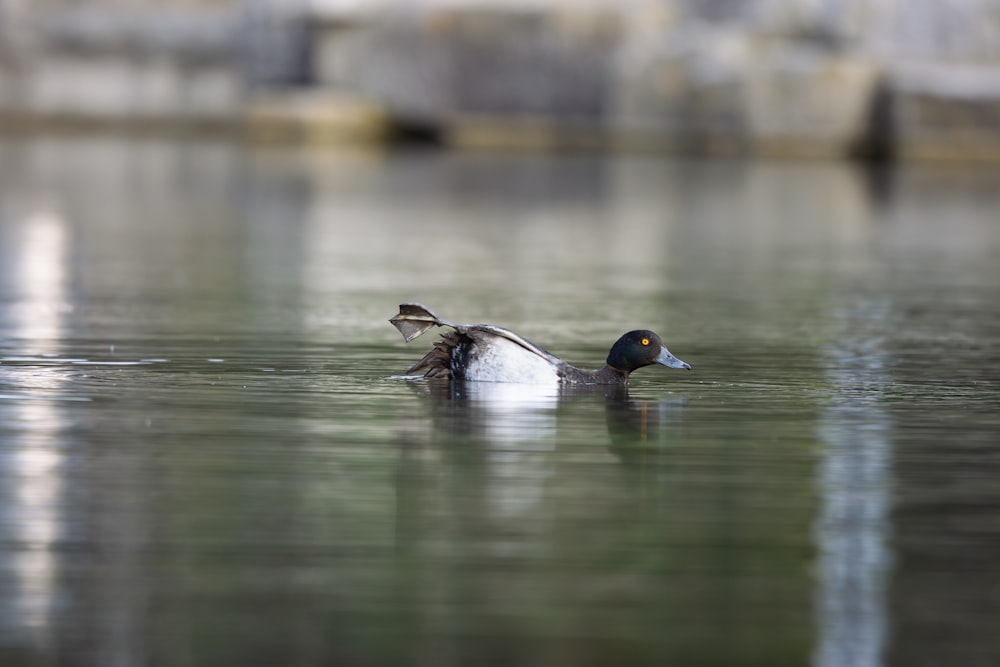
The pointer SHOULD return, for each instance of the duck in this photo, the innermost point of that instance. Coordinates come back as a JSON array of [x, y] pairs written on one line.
[[488, 353]]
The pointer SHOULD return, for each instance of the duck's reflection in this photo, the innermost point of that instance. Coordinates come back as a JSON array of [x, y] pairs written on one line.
[[516, 426], [520, 433], [641, 430], [506, 493], [507, 413]]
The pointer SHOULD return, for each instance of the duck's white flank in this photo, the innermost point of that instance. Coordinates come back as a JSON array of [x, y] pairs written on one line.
[[506, 361]]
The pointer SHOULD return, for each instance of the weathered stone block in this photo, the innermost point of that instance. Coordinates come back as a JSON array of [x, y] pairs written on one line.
[[111, 87], [946, 112], [529, 63], [803, 100], [683, 90]]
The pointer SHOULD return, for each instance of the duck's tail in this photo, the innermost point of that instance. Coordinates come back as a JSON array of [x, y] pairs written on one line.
[[414, 319]]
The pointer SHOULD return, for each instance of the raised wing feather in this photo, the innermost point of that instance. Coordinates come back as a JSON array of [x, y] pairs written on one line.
[[511, 336]]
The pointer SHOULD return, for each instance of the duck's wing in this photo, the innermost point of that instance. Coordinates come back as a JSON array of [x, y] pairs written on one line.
[[414, 319], [489, 329], [437, 362]]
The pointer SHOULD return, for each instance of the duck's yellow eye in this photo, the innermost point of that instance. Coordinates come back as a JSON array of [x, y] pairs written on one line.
[[645, 341]]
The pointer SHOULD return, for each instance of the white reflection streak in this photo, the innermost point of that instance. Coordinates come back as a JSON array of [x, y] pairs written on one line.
[[42, 279], [520, 426], [34, 464], [855, 484]]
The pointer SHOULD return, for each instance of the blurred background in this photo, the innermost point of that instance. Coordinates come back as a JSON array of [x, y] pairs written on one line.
[[872, 78], [210, 208]]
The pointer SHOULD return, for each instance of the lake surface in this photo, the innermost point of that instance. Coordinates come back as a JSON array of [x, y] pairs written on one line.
[[208, 455]]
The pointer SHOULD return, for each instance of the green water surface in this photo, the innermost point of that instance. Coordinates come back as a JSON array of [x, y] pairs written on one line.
[[208, 455]]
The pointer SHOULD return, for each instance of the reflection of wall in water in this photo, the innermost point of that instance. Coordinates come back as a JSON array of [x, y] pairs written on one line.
[[34, 524], [855, 481]]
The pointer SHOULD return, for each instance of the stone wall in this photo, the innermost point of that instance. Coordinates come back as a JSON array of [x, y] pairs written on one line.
[[135, 63], [818, 77], [911, 78]]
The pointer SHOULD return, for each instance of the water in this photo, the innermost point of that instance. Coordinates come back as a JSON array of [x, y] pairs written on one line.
[[207, 456]]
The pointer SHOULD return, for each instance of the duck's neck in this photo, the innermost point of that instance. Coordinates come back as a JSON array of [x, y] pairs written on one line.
[[606, 375]]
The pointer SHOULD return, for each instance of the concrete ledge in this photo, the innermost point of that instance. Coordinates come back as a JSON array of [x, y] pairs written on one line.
[[312, 118], [476, 131], [315, 118], [68, 122]]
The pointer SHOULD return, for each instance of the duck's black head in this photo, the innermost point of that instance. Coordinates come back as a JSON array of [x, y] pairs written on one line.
[[641, 348]]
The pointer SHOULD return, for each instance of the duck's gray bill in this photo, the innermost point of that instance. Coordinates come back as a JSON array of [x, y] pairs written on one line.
[[670, 360]]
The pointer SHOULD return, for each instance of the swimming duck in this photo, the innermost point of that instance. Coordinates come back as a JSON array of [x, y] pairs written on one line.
[[488, 353]]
